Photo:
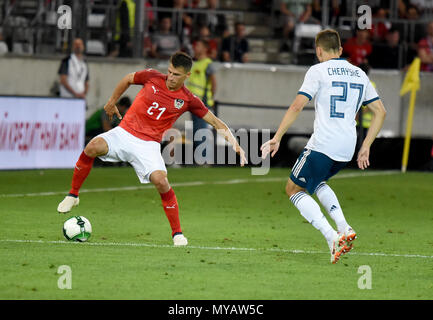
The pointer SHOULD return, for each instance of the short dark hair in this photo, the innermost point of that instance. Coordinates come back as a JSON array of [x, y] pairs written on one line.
[[329, 40], [181, 59], [124, 101]]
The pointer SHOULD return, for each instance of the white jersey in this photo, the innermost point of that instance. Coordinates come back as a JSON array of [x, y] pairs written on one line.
[[339, 89]]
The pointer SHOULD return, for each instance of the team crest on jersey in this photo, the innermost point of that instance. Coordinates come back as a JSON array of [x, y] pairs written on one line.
[[178, 103]]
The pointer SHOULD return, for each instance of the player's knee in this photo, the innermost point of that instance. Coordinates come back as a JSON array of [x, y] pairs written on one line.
[[291, 188], [96, 147], [288, 190], [160, 181]]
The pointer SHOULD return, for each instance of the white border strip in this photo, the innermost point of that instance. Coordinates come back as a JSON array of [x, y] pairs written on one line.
[[150, 245], [193, 184]]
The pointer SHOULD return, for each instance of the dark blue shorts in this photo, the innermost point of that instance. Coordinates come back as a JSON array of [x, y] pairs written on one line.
[[312, 168]]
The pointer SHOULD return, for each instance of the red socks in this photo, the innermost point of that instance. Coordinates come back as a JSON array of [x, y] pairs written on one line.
[[81, 171], [169, 203]]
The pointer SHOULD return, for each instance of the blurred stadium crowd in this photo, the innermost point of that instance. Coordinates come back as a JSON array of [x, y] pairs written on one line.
[[258, 31]]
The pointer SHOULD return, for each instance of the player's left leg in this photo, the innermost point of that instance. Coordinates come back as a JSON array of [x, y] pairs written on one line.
[[329, 200], [310, 210], [96, 147], [170, 205]]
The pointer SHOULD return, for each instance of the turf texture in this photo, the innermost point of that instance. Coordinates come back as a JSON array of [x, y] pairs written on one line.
[[246, 239]]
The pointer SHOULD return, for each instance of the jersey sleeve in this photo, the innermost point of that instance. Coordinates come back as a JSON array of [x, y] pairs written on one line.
[[63, 69], [197, 107], [211, 69], [141, 77], [310, 86], [88, 73], [370, 94]]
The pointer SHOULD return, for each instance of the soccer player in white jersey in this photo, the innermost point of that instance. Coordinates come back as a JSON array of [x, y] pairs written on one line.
[[339, 89]]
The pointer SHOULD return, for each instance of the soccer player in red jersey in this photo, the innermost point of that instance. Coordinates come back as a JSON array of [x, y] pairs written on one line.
[[161, 101]]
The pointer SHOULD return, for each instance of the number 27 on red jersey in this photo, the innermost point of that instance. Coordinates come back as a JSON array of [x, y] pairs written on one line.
[[154, 108]]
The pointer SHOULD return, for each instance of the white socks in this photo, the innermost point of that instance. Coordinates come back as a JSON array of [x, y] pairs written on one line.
[[329, 200], [310, 210]]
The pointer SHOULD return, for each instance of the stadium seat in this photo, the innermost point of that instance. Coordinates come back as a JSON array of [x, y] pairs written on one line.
[[95, 20], [95, 47], [303, 42]]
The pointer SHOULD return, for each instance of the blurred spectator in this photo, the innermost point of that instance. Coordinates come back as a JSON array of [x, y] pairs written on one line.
[[401, 8], [411, 33], [425, 50], [379, 29], [202, 83], [294, 12], [358, 48], [235, 47], [316, 9], [125, 23], [3, 45], [99, 122], [216, 23], [424, 6], [204, 34], [333, 11], [412, 12], [178, 16], [74, 73], [183, 25], [417, 29], [150, 15], [164, 42], [385, 55]]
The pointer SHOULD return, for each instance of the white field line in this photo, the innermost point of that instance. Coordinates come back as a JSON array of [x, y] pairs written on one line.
[[193, 184], [150, 245]]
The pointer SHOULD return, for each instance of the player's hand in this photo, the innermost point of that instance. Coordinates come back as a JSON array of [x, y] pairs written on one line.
[[363, 155], [111, 109], [241, 153], [271, 147]]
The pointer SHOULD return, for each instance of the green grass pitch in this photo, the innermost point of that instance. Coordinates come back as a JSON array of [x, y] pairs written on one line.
[[246, 239]]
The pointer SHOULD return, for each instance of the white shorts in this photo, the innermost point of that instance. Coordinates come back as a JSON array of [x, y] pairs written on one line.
[[144, 156]]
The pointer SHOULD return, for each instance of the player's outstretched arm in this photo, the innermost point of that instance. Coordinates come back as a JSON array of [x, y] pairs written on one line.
[[292, 113], [379, 114], [224, 130], [110, 107]]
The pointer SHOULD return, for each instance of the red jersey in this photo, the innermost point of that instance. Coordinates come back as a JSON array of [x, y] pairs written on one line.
[[155, 108], [427, 45], [357, 53]]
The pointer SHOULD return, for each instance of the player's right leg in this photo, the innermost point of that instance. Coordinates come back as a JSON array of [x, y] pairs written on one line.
[[329, 200], [170, 205], [95, 148]]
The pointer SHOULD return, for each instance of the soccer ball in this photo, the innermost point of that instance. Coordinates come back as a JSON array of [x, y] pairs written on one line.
[[77, 228]]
